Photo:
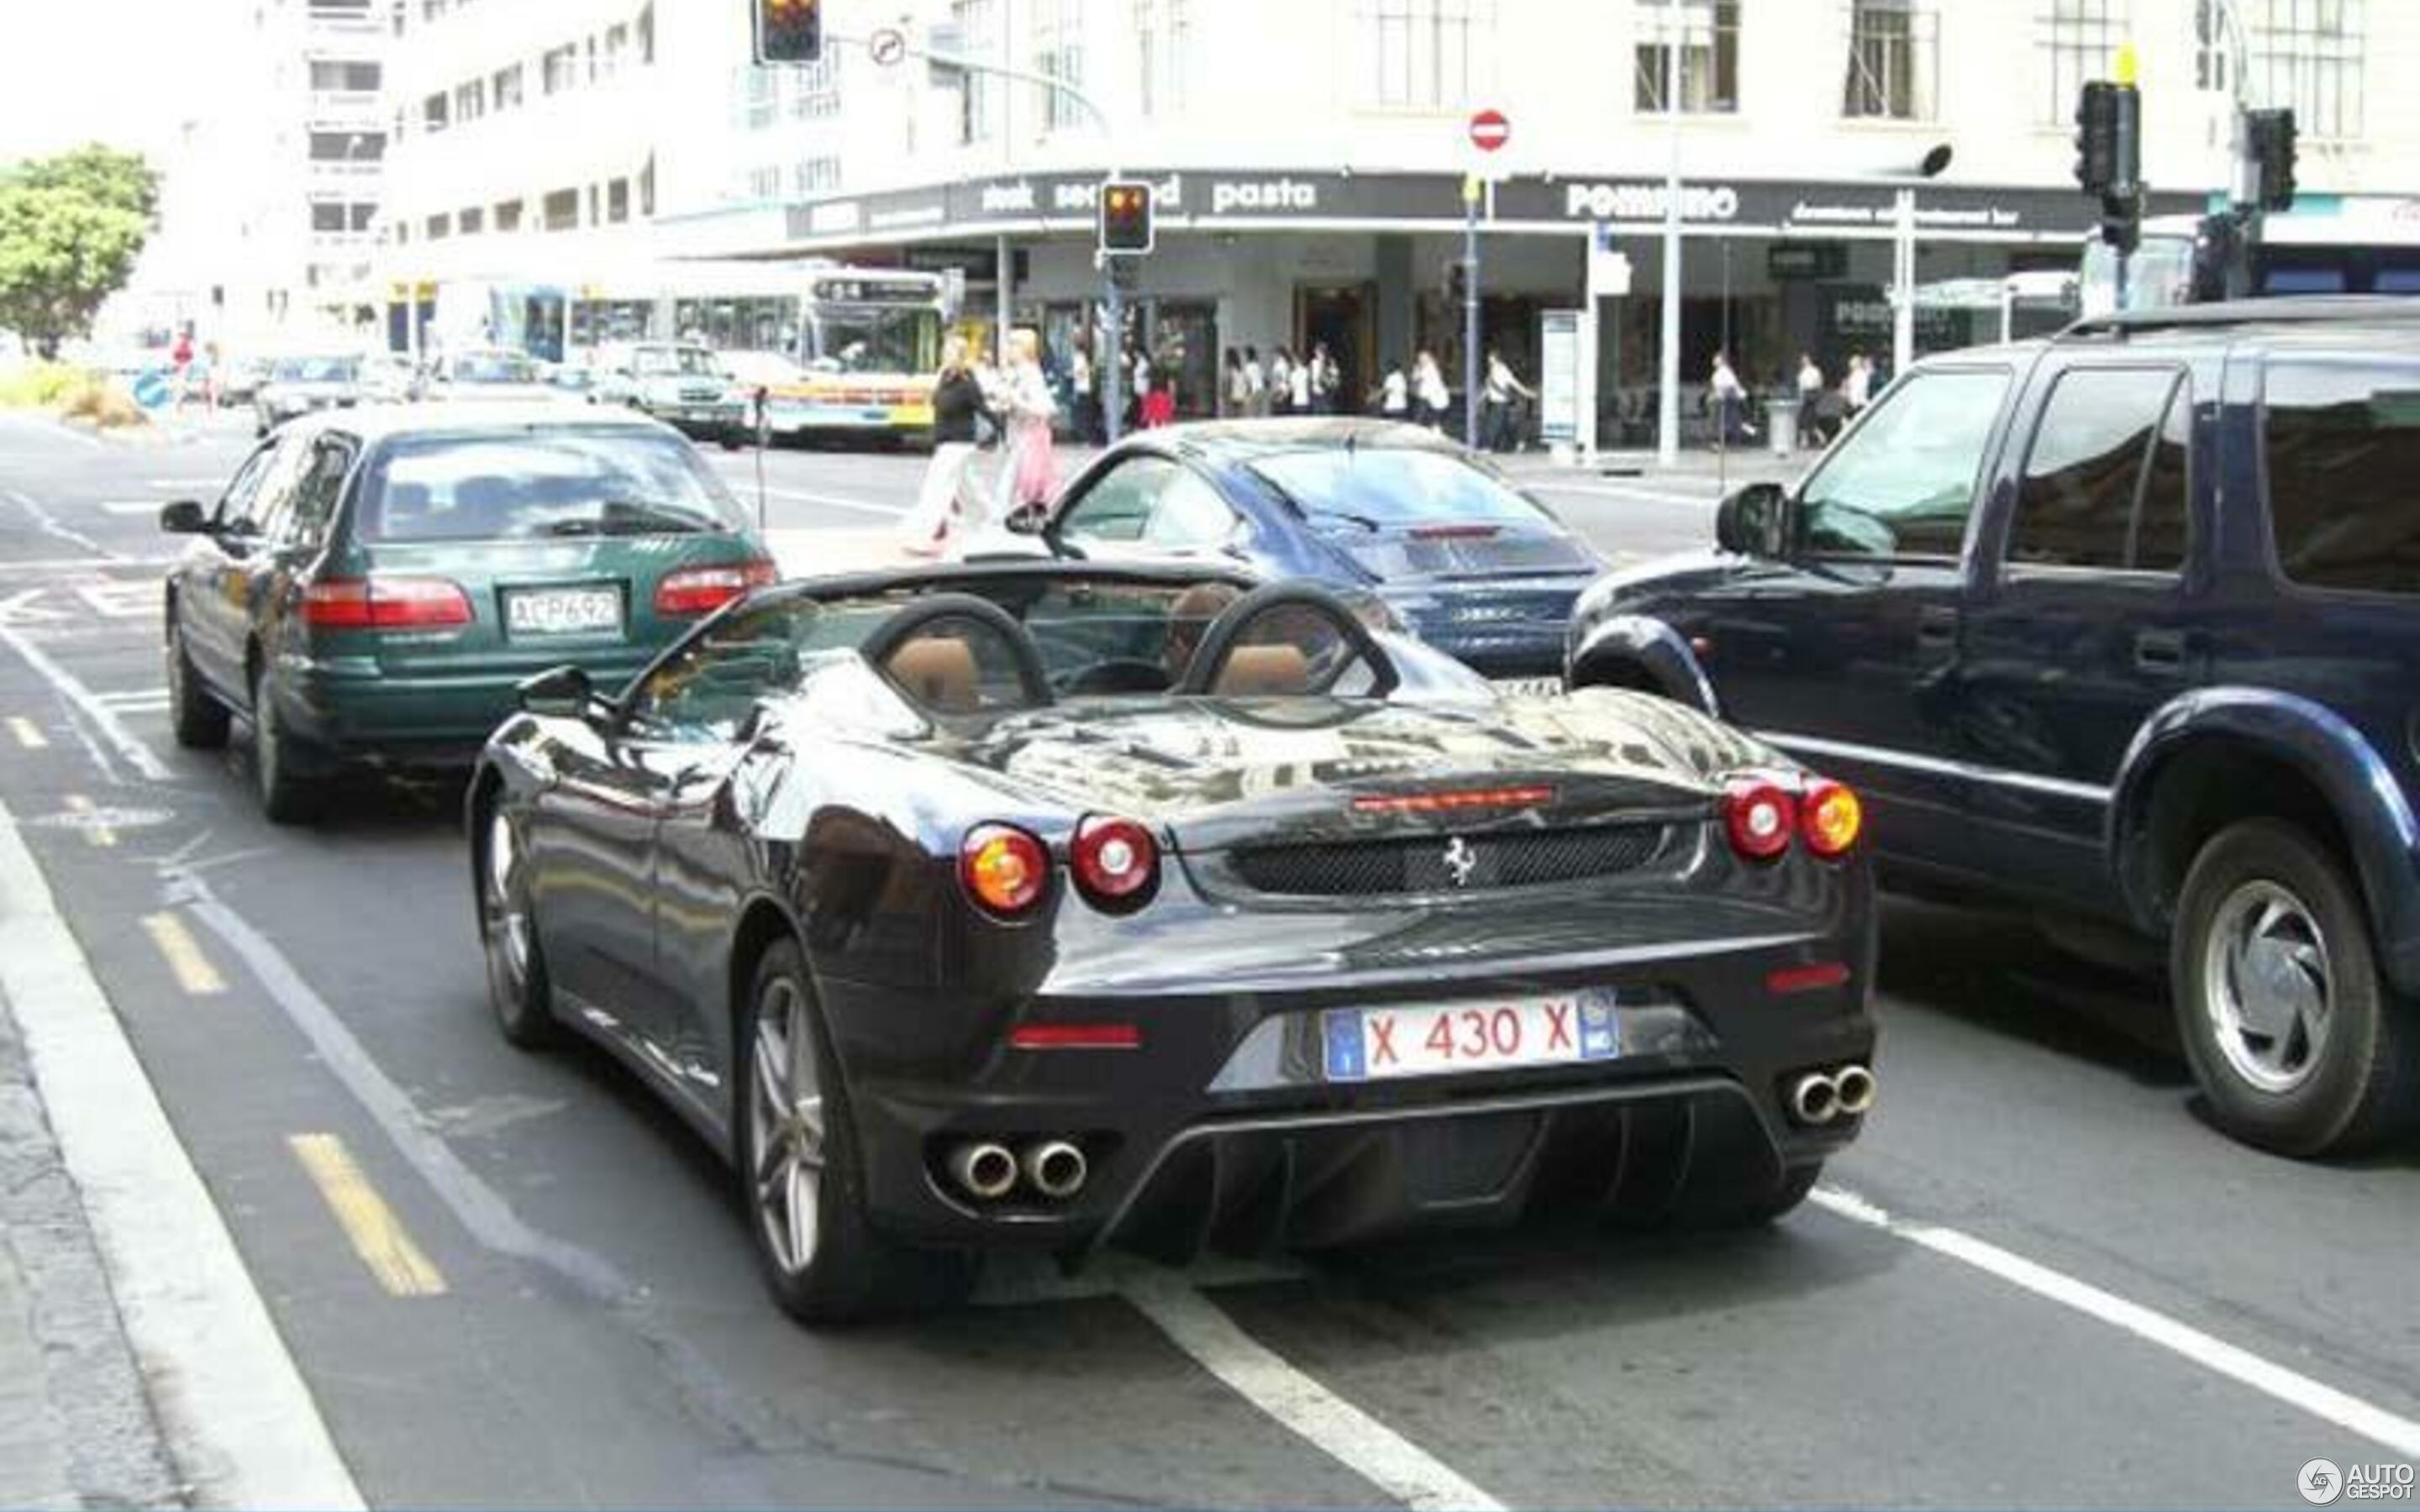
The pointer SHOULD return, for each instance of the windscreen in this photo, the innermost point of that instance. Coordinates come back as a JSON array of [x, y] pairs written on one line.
[[850, 340], [318, 370], [538, 483], [686, 361], [1405, 513], [495, 367]]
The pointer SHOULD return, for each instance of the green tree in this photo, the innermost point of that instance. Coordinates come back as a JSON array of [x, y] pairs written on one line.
[[71, 229]]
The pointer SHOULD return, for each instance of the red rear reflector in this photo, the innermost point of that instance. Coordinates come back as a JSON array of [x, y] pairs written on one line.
[[1115, 861], [384, 604], [1075, 1037], [704, 590], [1805, 978], [1454, 533], [1760, 817], [1528, 798]]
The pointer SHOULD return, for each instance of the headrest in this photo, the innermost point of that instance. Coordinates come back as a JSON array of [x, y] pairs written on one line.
[[1262, 670], [937, 671]]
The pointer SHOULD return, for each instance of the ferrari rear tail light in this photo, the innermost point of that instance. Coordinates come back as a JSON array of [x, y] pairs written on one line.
[[1004, 869], [1116, 862], [704, 590], [1831, 818], [1760, 817], [1456, 800], [384, 603]]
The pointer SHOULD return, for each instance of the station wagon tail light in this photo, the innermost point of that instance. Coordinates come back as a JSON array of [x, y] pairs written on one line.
[[1004, 869], [384, 603], [1831, 818], [1116, 862], [704, 590], [1760, 817]]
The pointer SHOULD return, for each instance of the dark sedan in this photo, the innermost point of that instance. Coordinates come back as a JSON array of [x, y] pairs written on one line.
[[1464, 559], [952, 937]]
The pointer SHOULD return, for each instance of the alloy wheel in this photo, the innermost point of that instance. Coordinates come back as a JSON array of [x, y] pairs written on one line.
[[507, 920], [787, 1127], [2267, 988]]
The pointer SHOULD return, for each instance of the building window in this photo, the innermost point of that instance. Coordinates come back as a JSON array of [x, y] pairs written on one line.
[[470, 220], [1710, 42], [647, 189], [1893, 57], [347, 147], [327, 216], [432, 113], [562, 210], [764, 183], [2212, 53], [647, 35], [1423, 53], [559, 70], [508, 215], [470, 102], [1160, 28], [508, 87], [978, 99], [596, 216], [2079, 41], [361, 216], [358, 78], [1058, 52], [617, 201], [2308, 55], [758, 101], [817, 87], [815, 176], [437, 228]]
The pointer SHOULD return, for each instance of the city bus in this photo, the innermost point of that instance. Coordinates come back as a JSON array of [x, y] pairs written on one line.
[[866, 342], [2326, 244]]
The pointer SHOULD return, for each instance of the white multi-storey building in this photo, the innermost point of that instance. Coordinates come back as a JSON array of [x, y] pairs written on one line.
[[1310, 153]]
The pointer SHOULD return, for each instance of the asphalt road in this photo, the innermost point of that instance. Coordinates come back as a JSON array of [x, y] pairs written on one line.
[[2079, 1294]]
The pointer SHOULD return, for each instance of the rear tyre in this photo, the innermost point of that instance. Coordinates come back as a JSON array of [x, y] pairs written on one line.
[[200, 721], [801, 1173], [2297, 1042], [516, 981], [288, 795]]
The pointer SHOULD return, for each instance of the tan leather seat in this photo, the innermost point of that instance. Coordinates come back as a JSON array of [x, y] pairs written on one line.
[[937, 671], [1263, 672]]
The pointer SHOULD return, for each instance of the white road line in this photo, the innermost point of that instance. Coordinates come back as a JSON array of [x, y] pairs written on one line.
[[1352, 1437], [1625, 492], [130, 506], [49, 525], [240, 1423], [747, 489], [113, 730], [54, 565], [2326, 1403]]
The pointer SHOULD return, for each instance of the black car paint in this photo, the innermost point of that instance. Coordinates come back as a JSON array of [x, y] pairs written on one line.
[[663, 867], [2013, 729]]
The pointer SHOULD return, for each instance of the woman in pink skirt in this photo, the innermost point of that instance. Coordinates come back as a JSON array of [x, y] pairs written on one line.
[[1028, 478]]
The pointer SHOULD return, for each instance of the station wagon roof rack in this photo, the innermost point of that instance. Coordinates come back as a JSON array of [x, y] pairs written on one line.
[[2310, 309]]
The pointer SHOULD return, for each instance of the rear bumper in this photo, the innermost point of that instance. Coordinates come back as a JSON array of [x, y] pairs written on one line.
[[352, 709], [1221, 1130]]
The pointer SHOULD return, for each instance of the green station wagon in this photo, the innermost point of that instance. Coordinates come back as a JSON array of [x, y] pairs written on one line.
[[375, 584]]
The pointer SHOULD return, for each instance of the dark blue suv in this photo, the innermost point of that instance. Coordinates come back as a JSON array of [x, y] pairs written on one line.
[[2123, 626]]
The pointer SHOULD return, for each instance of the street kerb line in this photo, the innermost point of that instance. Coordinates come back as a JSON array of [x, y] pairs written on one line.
[[1328, 1422], [113, 730], [2339, 1408], [186, 962], [240, 1423], [376, 1235]]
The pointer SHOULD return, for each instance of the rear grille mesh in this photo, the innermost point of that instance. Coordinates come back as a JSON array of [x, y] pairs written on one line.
[[1445, 863]]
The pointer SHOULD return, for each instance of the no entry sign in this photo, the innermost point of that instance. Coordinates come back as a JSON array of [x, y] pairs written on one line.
[[1490, 130]]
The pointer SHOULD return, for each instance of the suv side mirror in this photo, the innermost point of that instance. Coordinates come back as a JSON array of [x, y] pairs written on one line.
[[1751, 522], [559, 692], [184, 518]]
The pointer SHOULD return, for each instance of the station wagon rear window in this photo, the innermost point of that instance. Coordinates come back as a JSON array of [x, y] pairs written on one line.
[[2342, 442], [533, 485]]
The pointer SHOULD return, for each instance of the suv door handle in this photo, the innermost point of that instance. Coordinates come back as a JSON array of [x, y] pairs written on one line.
[[2160, 651], [1937, 627]]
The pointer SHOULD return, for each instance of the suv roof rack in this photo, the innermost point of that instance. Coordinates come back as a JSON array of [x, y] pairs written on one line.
[[2306, 309]]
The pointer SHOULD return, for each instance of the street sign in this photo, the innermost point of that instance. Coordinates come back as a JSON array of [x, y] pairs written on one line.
[[1490, 130], [1559, 388], [151, 390], [887, 46]]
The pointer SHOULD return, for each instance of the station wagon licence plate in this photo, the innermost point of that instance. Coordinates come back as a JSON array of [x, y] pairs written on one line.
[[1443, 1039], [562, 610]]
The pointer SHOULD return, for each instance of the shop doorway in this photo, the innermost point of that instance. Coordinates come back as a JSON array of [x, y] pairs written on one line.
[[1344, 318]]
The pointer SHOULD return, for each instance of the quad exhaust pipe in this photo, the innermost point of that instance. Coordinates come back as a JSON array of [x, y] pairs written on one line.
[[984, 1169], [1818, 1096], [1056, 1169]]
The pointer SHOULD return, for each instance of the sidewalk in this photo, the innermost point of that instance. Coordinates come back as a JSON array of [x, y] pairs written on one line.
[[76, 1429]]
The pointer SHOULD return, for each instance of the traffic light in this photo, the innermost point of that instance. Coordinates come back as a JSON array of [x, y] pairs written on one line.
[[2271, 134], [1125, 218], [2121, 221], [789, 31], [2096, 137]]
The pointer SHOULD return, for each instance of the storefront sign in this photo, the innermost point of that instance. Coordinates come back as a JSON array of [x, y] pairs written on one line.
[[1558, 375], [1806, 259]]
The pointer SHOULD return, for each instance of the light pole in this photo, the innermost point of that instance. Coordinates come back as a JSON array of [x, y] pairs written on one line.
[[1903, 254], [1667, 383]]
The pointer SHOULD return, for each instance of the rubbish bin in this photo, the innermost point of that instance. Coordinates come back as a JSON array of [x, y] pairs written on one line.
[[1782, 424]]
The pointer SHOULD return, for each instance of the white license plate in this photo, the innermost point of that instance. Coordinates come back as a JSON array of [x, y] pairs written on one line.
[[1526, 686], [1439, 1039], [563, 610]]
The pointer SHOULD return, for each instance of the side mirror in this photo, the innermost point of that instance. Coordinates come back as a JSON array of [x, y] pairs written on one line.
[[184, 518], [1752, 521], [559, 692]]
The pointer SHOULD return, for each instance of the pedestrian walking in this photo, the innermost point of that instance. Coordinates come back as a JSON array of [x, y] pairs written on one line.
[[180, 363], [1236, 394], [1029, 470], [1280, 382], [1856, 387], [1501, 428], [947, 506], [1393, 394], [1730, 398], [1322, 379], [1083, 385], [1298, 387], [1810, 394], [1429, 391], [1256, 384]]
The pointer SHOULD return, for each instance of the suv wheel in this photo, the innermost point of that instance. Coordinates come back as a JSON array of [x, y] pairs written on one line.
[[2297, 1042]]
